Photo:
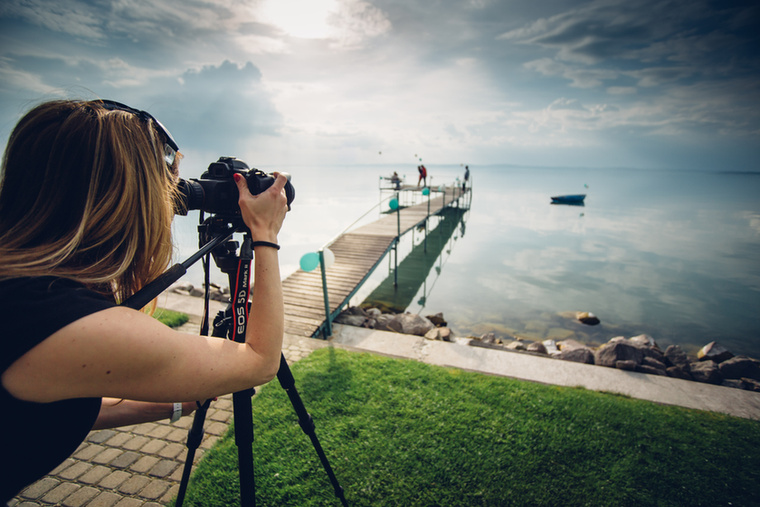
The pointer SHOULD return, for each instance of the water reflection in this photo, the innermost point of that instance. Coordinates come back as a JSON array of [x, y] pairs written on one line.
[[668, 253], [397, 292]]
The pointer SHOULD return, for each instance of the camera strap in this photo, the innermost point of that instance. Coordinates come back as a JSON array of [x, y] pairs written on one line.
[[240, 306], [240, 300]]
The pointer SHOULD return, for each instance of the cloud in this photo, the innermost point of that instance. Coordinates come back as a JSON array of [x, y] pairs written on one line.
[[220, 108], [14, 78], [621, 90], [343, 79], [647, 33], [673, 68], [356, 23], [566, 104], [70, 17], [579, 77]]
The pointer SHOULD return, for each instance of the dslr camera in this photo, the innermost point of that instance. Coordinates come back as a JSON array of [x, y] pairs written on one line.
[[216, 190]]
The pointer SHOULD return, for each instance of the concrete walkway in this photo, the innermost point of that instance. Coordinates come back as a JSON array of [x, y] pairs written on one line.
[[141, 465], [524, 366]]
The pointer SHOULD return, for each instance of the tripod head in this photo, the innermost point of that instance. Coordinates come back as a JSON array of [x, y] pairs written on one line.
[[225, 254]]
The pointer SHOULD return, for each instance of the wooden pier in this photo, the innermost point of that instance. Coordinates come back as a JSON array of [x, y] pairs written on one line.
[[357, 254]]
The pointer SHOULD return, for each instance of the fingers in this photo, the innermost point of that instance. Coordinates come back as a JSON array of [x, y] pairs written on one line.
[[242, 184], [277, 187], [264, 213], [279, 183]]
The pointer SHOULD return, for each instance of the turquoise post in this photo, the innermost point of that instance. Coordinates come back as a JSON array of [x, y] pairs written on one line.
[[328, 318]]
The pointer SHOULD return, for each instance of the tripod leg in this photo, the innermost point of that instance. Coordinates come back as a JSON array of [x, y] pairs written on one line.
[[243, 413], [194, 437], [307, 423]]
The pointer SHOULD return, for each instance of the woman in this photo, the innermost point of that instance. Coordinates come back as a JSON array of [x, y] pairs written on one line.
[[86, 205]]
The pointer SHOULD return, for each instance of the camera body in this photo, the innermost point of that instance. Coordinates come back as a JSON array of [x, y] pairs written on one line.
[[216, 190]]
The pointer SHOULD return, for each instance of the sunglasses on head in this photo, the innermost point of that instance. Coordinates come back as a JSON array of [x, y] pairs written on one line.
[[170, 145]]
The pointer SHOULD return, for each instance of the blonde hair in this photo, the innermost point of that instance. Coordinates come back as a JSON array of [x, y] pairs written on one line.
[[85, 194]]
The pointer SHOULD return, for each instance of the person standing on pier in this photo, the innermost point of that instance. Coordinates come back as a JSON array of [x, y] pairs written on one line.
[[396, 181], [423, 175], [466, 177]]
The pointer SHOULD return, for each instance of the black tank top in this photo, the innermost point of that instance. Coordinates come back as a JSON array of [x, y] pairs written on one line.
[[37, 437]]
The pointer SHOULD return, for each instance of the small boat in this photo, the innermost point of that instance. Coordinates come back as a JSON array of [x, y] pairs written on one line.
[[575, 200]]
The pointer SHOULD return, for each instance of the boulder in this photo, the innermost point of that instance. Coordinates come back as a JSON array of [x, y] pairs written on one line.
[[551, 347], [732, 382], [740, 366], [414, 324], [675, 356], [570, 344], [643, 340], [517, 345], [579, 355], [488, 338], [679, 372], [587, 318], [537, 347], [626, 364], [651, 362], [714, 351], [182, 287], [351, 320], [388, 322], [651, 370], [706, 371], [653, 353], [437, 320], [751, 384], [610, 353], [439, 334]]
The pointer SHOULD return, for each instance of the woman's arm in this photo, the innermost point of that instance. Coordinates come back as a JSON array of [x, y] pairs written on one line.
[[264, 214], [115, 413], [123, 353]]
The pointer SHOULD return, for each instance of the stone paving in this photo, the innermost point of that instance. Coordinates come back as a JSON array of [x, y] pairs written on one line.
[[142, 465], [139, 465]]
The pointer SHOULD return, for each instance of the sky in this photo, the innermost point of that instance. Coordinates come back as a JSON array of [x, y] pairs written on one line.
[[558, 83]]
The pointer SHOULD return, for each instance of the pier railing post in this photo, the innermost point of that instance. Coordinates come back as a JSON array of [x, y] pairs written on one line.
[[398, 237], [328, 318], [427, 218]]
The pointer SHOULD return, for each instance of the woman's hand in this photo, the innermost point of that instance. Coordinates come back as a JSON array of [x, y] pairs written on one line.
[[263, 213]]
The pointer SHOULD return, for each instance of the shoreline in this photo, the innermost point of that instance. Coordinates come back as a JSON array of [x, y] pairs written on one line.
[[713, 364]]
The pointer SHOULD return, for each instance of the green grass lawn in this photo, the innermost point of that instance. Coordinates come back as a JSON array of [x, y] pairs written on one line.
[[170, 317], [402, 433]]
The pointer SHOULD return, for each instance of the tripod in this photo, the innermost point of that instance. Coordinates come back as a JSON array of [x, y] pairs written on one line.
[[231, 323]]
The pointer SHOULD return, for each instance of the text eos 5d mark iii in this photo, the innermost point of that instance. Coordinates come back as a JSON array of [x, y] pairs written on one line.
[[217, 192]]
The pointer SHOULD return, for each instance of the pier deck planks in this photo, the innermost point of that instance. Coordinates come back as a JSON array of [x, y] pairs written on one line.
[[357, 253]]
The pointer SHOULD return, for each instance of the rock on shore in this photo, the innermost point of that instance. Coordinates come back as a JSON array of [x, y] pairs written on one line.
[[216, 293], [714, 363]]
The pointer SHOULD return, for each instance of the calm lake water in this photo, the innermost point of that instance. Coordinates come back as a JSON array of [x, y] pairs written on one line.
[[673, 254]]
